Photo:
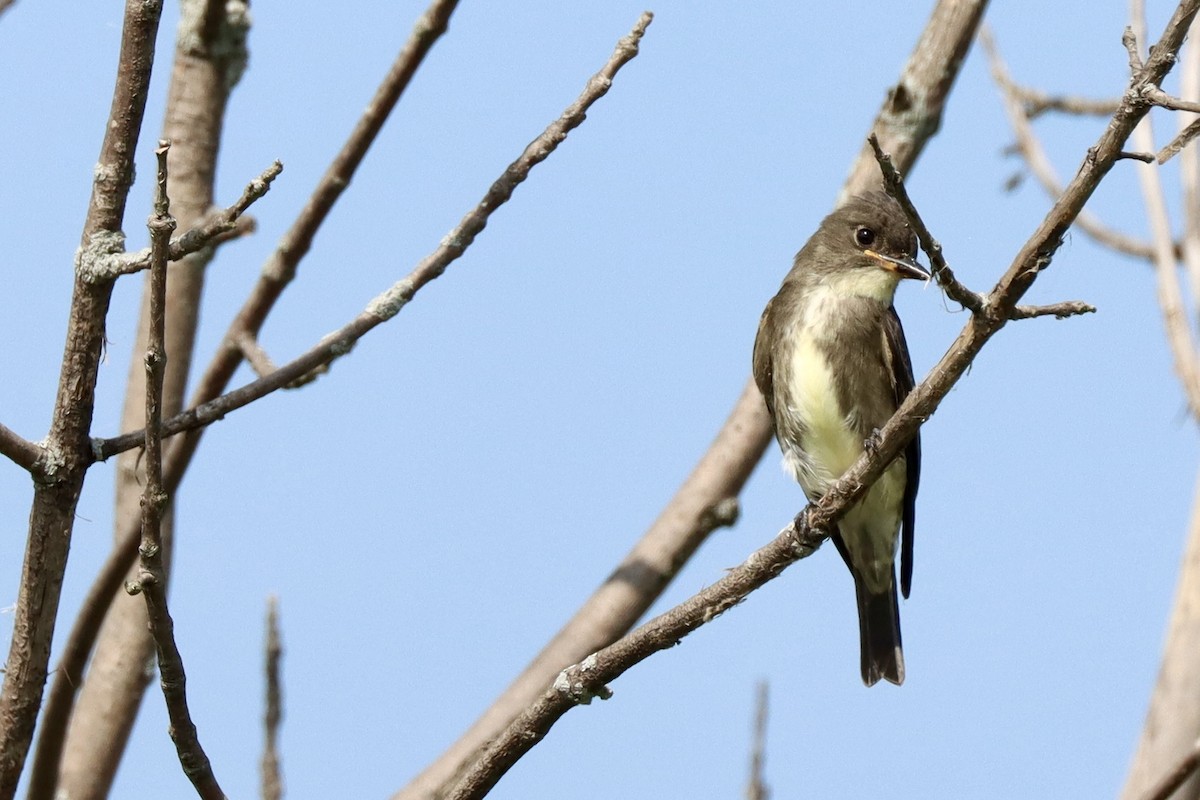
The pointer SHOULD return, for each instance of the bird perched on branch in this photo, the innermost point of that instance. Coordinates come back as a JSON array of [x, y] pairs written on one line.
[[831, 361]]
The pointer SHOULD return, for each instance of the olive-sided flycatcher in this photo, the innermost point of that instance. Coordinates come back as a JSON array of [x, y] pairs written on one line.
[[832, 363]]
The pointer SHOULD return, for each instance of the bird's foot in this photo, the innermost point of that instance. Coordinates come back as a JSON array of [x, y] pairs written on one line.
[[871, 443]]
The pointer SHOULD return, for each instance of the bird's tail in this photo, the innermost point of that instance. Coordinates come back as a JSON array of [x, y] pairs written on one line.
[[879, 633]]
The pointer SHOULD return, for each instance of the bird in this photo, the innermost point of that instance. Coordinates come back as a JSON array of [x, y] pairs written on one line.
[[832, 363]]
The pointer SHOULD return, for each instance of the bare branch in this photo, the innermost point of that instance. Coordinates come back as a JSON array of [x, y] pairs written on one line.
[[1157, 771], [1134, 155], [894, 184], [220, 224], [1161, 98], [20, 450], [1038, 103], [1131, 47], [255, 355], [152, 580], [260, 361], [272, 778], [1069, 308], [1181, 140], [389, 303]]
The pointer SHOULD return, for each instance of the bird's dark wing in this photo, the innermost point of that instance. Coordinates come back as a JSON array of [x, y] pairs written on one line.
[[764, 371], [900, 366]]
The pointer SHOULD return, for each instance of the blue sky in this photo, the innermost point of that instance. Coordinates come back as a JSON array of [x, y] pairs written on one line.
[[431, 511]]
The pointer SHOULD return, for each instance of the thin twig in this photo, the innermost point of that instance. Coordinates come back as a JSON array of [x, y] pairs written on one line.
[[1130, 41], [255, 355], [1037, 102], [1034, 156], [152, 579], [756, 787], [219, 225], [1181, 140], [1173, 780], [389, 303], [1069, 308], [260, 361], [1137, 155], [894, 184], [588, 679], [272, 777]]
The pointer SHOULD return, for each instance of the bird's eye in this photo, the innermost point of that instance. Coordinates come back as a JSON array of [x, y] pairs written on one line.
[[864, 236]]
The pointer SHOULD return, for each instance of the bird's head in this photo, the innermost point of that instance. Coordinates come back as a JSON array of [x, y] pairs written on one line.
[[864, 248]]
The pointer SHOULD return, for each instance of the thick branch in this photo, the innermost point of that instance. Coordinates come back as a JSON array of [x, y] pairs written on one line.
[[1170, 783], [1178, 776]]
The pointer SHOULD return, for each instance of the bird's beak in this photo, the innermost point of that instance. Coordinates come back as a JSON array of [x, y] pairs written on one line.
[[904, 267]]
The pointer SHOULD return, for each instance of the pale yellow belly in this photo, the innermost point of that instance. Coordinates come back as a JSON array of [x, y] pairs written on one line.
[[828, 447]]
